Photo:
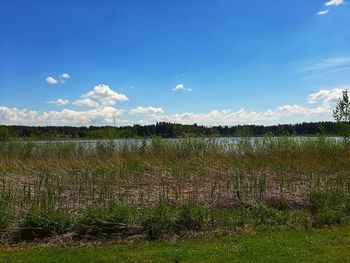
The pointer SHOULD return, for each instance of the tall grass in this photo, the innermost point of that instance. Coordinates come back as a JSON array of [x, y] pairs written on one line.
[[65, 179]]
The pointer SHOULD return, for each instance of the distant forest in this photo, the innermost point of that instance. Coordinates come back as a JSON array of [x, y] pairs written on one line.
[[166, 130]]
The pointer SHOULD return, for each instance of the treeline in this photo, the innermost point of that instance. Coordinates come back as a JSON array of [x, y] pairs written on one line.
[[165, 130]]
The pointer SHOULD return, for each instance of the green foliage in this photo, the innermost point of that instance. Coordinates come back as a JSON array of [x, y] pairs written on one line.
[[319, 201], [342, 110], [342, 115], [270, 216], [190, 218], [170, 130], [160, 222], [96, 220], [4, 134], [328, 218], [41, 222], [328, 209]]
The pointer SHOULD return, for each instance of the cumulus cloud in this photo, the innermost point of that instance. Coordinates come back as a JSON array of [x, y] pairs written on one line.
[[104, 115], [323, 12], [85, 103], [334, 2], [105, 95], [323, 102], [146, 110], [51, 80], [59, 102], [242, 116], [327, 96], [181, 87]]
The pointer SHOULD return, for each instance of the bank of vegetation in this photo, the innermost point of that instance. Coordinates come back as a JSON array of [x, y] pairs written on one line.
[[167, 130], [158, 189]]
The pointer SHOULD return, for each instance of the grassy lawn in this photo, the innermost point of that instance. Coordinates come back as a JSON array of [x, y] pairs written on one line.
[[266, 245]]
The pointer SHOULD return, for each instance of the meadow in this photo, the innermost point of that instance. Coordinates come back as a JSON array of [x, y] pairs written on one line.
[[66, 193]]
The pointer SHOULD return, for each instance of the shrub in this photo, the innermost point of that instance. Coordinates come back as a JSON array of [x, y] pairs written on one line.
[[190, 217], [161, 222], [318, 201], [269, 216], [99, 219], [300, 218], [40, 223], [328, 218]]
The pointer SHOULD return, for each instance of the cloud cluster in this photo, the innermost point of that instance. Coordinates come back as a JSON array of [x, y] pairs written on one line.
[[327, 96], [242, 116], [286, 113], [104, 114], [63, 77]]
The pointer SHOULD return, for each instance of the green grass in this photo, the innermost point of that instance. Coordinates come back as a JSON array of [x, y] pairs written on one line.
[[266, 245]]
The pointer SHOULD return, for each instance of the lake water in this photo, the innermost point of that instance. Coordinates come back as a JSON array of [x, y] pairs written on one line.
[[139, 142]]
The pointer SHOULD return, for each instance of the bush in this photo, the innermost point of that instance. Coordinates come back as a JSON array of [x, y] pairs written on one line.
[[321, 201], [269, 216], [40, 223], [300, 218], [190, 217], [161, 222], [107, 220], [328, 218]]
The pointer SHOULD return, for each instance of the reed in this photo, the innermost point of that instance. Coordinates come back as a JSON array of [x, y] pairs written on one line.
[[63, 180]]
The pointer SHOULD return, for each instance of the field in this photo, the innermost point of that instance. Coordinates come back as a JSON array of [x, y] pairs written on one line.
[[67, 194], [274, 245]]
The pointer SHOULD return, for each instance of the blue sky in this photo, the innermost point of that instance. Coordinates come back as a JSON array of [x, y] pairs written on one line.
[[210, 62]]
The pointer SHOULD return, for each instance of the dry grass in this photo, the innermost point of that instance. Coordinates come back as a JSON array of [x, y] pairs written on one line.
[[205, 172]]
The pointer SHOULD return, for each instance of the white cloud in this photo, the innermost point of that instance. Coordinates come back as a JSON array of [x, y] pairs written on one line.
[[59, 102], [327, 96], [181, 87], [104, 115], [323, 12], [242, 116], [51, 80], [105, 95], [323, 101], [146, 110], [282, 114], [334, 2], [85, 103], [65, 76]]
